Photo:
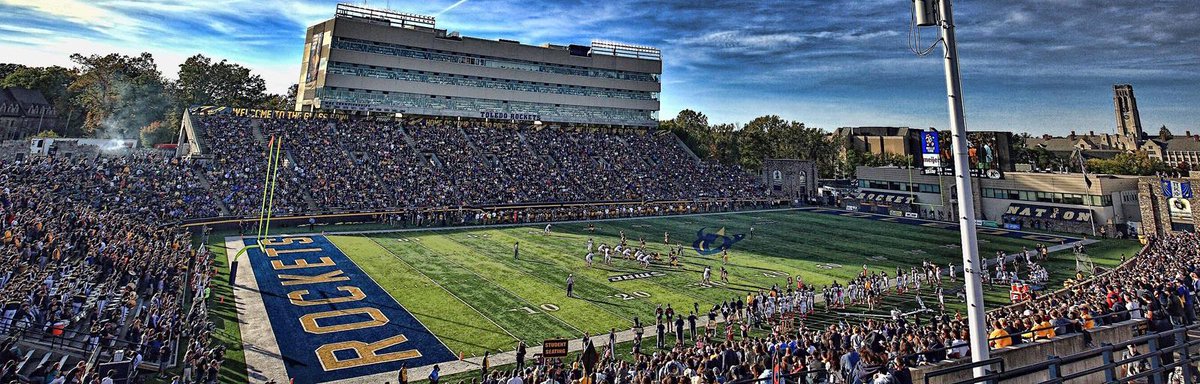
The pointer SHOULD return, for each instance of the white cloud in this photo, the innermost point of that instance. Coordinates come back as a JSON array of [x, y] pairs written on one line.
[[82, 12], [452, 6], [26, 30]]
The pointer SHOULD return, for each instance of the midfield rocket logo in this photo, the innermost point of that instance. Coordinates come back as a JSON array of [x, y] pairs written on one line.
[[713, 243]]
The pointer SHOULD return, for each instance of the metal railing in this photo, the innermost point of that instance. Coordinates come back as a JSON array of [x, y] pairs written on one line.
[[1165, 351], [1028, 340], [71, 342]]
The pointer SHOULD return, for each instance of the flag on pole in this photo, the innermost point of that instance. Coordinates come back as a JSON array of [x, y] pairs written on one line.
[[1083, 167]]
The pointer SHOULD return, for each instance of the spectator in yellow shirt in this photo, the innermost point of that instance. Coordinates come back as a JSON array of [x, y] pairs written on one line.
[[999, 338], [1088, 322], [1045, 329]]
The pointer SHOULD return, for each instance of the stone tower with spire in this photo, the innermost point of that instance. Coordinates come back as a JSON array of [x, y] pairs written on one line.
[[1129, 124]]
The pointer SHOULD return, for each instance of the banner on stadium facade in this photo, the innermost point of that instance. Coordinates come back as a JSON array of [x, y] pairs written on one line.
[[931, 149], [510, 116], [275, 114], [886, 198], [314, 57], [1181, 209], [1034, 211], [994, 174], [1177, 189]]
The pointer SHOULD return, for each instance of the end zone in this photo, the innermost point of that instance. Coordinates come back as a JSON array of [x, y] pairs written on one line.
[[313, 316]]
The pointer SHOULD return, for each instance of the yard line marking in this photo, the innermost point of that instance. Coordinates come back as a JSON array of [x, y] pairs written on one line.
[[505, 261], [604, 283], [414, 314], [519, 298], [440, 286]]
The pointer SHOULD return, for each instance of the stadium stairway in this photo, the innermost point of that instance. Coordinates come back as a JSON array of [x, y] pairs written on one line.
[[407, 139], [198, 134], [679, 142], [256, 131], [640, 157], [205, 185], [521, 137], [467, 138], [35, 359], [355, 157], [545, 157], [432, 158], [308, 200]]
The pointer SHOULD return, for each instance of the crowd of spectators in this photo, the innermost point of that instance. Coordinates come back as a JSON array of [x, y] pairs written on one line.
[[238, 166], [91, 259], [1158, 285], [425, 163]]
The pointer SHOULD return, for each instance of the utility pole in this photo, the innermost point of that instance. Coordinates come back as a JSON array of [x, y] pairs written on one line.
[[925, 15]]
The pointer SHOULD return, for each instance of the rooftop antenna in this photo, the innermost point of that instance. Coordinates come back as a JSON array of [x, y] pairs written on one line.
[[927, 13]]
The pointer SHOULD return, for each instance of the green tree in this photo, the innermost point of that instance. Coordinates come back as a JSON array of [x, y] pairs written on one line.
[[755, 140], [157, 133], [119, 94], [724, 144], [7, 68], [692, 127], [52, 82], [280, 102], [1138, 163], [1165, 134], [205, 82]]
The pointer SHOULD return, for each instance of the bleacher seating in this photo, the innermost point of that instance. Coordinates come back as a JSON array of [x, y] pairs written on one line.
[[376, 165], [91, 258]]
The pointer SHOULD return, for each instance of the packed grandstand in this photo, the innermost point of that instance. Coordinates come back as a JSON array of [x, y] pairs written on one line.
[[96, 266], [435, 163]]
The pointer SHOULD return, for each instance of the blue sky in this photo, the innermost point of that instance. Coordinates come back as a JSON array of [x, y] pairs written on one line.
[[1040, 66]]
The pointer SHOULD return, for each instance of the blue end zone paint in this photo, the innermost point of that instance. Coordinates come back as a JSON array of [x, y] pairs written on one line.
[[298, 346], [1040, 237]]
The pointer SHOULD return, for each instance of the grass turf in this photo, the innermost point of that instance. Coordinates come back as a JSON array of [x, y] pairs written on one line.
[[468, 289]]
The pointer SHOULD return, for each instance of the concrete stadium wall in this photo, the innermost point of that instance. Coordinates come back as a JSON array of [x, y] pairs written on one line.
[[1022, 355]]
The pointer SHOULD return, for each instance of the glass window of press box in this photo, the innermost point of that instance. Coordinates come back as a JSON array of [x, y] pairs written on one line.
[[1049, 197], [900, 186]]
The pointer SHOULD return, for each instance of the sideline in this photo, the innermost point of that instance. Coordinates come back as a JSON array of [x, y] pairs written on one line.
[[532, 223], [264, 360]]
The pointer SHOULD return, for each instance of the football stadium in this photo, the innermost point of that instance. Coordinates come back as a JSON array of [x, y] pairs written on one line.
[[433, 207]]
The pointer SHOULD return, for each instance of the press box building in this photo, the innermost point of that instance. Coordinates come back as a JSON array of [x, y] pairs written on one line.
[[370, 60]]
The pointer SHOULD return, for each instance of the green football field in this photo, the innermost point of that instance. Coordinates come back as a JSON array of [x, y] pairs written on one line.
[[466, 287]]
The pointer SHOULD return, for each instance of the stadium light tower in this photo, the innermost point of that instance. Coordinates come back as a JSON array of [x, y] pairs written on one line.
[[938, 12]]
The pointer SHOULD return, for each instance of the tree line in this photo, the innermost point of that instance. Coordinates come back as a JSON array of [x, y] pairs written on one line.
[[120, 96], [771, 136]]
